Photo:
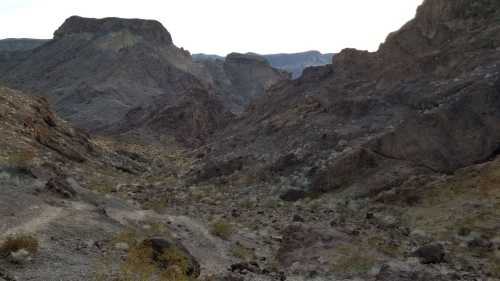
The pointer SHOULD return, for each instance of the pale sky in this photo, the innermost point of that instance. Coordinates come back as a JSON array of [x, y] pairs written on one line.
[[224, 26]]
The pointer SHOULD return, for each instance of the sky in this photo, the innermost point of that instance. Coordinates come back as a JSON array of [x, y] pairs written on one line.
[[224, 26]]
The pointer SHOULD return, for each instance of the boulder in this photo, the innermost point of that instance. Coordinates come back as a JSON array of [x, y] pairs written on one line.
[[430, 254]]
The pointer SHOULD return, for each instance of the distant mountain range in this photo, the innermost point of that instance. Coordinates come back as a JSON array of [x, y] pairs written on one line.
[[293, 63], [20, 44]]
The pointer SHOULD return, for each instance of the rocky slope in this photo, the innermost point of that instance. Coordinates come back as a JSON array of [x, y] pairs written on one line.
[[376, 124], [65, 210]]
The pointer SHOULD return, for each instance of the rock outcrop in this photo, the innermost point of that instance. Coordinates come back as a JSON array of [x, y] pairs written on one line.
[[240, 78]]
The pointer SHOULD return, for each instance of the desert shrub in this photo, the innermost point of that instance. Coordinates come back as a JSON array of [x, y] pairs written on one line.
[[222, 229], [140, 264], [19, 242], [239, 251]]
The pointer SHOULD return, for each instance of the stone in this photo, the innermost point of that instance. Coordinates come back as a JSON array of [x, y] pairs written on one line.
[[61, 187], [122, 246], [21, 256], [293, 195], [431, 254]]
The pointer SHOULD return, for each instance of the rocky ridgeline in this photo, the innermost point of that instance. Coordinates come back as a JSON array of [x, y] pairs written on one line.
[[150, 30]]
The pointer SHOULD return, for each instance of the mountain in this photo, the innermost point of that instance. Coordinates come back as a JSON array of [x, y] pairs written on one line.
[[99, 72], [293, 63], [21, 44], [240, 78], [296, 63], [381, 132], [380, 166], [95, 70]]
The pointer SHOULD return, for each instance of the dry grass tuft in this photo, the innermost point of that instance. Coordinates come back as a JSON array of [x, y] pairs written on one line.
[[19, 242]]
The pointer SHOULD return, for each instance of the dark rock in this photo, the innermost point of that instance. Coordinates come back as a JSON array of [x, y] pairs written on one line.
[[246, 267], [298, 218], [61, 187], [480, 243], [293, 195], [430, 254]]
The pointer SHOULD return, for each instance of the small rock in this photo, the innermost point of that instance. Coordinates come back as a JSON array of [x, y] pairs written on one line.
[[430, 254], [297, 218], [122, 246], [20, 256], [293, 195], [245, 267], [61, 187]]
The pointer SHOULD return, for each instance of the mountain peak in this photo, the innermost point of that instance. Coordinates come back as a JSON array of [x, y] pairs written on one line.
[[150, 30]]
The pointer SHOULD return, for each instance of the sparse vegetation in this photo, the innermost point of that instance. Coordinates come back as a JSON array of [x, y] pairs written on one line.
[[222, 229], [352, 260], [19, 242], [21, 159], [241, 252], [142, 263]]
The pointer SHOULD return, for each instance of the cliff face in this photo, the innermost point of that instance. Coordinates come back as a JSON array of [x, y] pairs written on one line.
[[240, 78]]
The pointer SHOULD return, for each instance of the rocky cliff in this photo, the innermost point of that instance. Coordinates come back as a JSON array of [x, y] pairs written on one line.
[[240, 78]]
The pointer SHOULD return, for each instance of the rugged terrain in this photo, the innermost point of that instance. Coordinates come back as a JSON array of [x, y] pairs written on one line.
[[97, 72], [379, 166]]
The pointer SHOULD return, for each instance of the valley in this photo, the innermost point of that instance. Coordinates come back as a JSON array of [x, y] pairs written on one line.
[[124, 157]]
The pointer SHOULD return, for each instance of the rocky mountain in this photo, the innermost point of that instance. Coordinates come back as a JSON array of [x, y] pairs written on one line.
[[374, 124], [240, 78], [294, 63], [96, 70], [99, 72], [20, 44], [380, 166]]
